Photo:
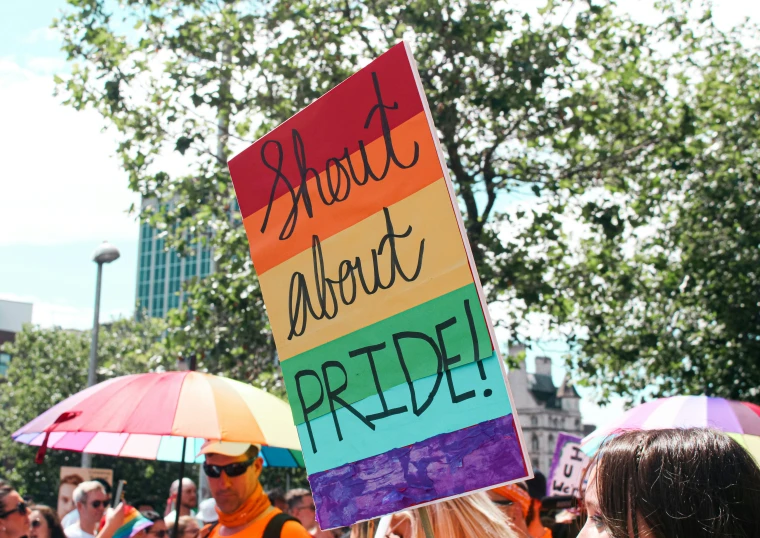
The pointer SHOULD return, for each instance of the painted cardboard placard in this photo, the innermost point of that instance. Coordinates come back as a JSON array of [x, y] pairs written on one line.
[[70, 478], [388, 354], [567, 468]]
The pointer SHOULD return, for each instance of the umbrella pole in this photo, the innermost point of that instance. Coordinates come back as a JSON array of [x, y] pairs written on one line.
[[179, 488]]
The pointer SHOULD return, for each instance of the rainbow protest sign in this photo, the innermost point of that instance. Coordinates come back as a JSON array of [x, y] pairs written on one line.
[[398, 393]]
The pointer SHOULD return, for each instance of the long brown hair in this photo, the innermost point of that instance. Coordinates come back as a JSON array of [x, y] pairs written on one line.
[[51, 517], [677, 483]]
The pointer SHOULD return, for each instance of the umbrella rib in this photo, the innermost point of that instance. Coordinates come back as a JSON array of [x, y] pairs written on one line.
[[176, 407], [138, 377], [81, 406], [136, 407]]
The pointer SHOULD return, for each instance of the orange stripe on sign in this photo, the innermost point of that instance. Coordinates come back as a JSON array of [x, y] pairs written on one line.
[[268, 251], [433, 269]]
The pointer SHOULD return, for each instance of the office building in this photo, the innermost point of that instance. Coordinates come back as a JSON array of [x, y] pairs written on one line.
[[161, 272], [13, 316], [544, 410]]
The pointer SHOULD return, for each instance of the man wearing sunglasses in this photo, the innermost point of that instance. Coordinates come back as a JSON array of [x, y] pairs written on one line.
[[91, 501], [233, 471]]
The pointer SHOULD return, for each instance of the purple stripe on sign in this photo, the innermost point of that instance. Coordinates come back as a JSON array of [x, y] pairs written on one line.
[[445, 465]]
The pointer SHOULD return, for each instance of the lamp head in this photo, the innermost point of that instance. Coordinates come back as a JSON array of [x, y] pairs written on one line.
[[105, 253]]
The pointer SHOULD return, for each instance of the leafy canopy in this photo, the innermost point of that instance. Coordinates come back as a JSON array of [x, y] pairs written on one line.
[[606, 168]]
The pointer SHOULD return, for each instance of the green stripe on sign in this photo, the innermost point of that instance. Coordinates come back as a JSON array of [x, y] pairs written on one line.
[[444, 333]]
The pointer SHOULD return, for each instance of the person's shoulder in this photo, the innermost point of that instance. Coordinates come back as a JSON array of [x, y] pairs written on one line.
[[294, 529], [73, 531], [209, 529], [70, 519]]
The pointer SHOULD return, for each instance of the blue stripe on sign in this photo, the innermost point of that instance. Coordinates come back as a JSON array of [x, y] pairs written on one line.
[[442, 416]]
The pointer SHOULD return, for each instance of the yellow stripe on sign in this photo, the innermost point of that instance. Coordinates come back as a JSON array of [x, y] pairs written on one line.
[[405, 255]]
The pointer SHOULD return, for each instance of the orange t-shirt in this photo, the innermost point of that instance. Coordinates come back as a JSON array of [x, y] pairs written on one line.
[[290, 529]]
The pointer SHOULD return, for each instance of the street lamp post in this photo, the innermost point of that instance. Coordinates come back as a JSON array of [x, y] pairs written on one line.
[[105, 253]]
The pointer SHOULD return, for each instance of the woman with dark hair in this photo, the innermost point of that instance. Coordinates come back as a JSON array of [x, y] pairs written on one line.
[[677, 483], [158, 529], [14, 514], [44, 523]]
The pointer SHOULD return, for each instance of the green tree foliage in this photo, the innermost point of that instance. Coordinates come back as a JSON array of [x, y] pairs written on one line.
[[635, 141], [49, 365], [665, 278]]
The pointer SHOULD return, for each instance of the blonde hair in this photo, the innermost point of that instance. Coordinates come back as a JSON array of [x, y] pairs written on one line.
[[463, 517], [85, 488]]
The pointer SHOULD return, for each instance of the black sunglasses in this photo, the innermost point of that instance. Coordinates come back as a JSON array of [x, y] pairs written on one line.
[[159, 534], [231, 469], [36, 523], [20, 509], [96, 504]]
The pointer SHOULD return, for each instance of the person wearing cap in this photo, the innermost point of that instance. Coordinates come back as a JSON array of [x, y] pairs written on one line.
[[244, 510], [516, 503], [207, 511]]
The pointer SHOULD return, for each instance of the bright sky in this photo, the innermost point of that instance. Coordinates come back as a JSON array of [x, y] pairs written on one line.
[[62, 189], [63, 192]]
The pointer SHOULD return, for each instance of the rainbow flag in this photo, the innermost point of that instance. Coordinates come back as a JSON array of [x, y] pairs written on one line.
[[134, 522], [396, 385]]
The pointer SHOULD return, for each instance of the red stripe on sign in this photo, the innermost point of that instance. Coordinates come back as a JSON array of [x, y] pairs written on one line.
[[324, 130]]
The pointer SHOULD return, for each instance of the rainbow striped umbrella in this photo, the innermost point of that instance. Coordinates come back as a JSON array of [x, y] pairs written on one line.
[[740, 420], [151, 416]]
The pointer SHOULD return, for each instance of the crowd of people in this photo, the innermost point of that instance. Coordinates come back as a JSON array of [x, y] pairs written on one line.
[[678, 483]]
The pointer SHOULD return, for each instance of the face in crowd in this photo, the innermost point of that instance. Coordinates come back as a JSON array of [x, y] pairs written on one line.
[[237, 481], [14, 516], [157, 530], [66, 499], [511, 509], [191, 528], [38, 525], [94, 506], [189, 495], [305, 511]]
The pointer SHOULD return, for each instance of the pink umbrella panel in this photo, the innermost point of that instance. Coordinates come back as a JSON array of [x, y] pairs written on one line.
[[740, 420], [148, 416]]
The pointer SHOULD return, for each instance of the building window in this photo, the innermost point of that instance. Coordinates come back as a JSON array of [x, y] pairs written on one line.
[[191, 263], [535, 445], [159, 281], [175, 279], [534, 421], [5, 362], [146, 252], [577, 424], [205, 261], [535, 465]]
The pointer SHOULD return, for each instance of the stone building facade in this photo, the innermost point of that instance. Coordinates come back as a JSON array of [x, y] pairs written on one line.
[[544, 410]]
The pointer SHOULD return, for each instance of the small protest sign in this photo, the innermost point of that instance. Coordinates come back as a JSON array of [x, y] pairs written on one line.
[[567, 468], [70, 478], [388, 354]]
